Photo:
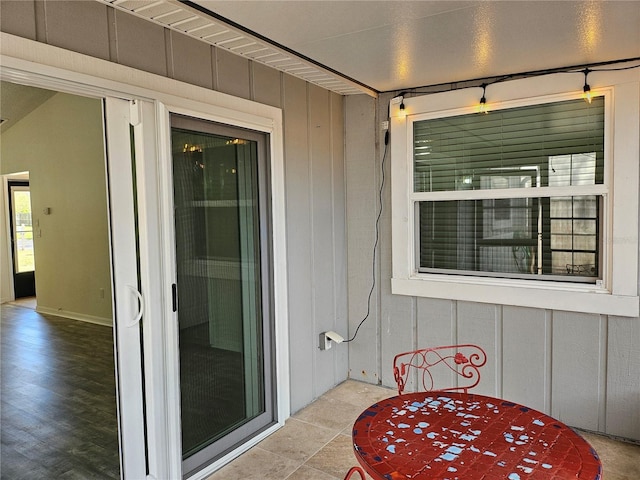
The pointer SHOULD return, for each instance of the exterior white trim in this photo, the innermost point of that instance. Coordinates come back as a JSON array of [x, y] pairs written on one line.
[[617, 294], [36, 64], [273, 127]]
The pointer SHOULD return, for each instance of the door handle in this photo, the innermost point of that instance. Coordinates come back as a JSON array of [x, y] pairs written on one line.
[[140, 302]]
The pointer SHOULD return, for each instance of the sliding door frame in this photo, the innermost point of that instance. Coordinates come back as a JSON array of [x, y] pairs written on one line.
[[272, 127], [151, 98], [127, 305]]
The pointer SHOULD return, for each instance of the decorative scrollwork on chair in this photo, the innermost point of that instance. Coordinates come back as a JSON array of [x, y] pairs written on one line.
[[461, 362]]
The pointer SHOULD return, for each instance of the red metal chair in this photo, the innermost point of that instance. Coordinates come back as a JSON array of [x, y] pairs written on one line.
[[430, 367], [354, 470]]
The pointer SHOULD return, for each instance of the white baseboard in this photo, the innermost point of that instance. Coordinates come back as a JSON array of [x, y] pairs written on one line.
[[107, 322]]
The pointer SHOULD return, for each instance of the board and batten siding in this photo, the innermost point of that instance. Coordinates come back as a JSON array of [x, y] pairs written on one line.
[[314, 157], [581, 368]]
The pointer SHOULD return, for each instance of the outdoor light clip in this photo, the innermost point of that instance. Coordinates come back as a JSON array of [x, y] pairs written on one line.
[[483, 99], [587, 88]]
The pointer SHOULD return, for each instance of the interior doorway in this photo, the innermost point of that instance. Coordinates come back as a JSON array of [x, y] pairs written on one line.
[[21, 233]]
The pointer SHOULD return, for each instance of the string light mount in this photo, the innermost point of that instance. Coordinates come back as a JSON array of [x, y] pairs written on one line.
[[399, 100], [483, 100], [584, 69], [587, 88]]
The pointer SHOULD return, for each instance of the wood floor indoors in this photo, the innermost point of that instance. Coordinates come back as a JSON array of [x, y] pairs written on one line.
[[58, 402]]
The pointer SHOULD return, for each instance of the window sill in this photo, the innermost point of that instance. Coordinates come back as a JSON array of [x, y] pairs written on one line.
[[535, 294]]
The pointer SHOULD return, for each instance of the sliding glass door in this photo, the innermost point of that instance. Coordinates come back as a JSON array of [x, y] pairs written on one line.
[[222, 294]]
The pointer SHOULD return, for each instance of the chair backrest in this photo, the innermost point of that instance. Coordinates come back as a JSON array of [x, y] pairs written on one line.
[[457, 365]]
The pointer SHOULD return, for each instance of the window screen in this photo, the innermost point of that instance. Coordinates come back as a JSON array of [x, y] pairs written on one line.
[[519, 178]]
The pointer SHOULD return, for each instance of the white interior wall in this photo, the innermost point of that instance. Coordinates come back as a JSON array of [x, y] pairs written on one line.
[[61, 145]]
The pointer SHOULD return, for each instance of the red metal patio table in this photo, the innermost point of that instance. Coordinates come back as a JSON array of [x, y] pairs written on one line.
[[449, 435]]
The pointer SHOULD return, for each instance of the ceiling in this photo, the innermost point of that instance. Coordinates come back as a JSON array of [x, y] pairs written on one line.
[[398, 45], [364, 46], [17, 101], [390, 45]]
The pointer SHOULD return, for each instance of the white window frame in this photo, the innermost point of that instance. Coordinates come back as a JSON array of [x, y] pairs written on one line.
[[617, 292]]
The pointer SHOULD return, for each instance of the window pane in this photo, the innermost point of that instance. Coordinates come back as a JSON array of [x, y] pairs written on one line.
[[555, 144], [561, 242], [562, 263], [584, 242], [23, 231], [567, 170], [586, 207], [561, 207], [480, 235], [512, 237], [574, 235], [218, 257]]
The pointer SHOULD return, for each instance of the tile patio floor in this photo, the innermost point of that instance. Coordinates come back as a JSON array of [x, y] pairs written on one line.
[[315, 443]]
